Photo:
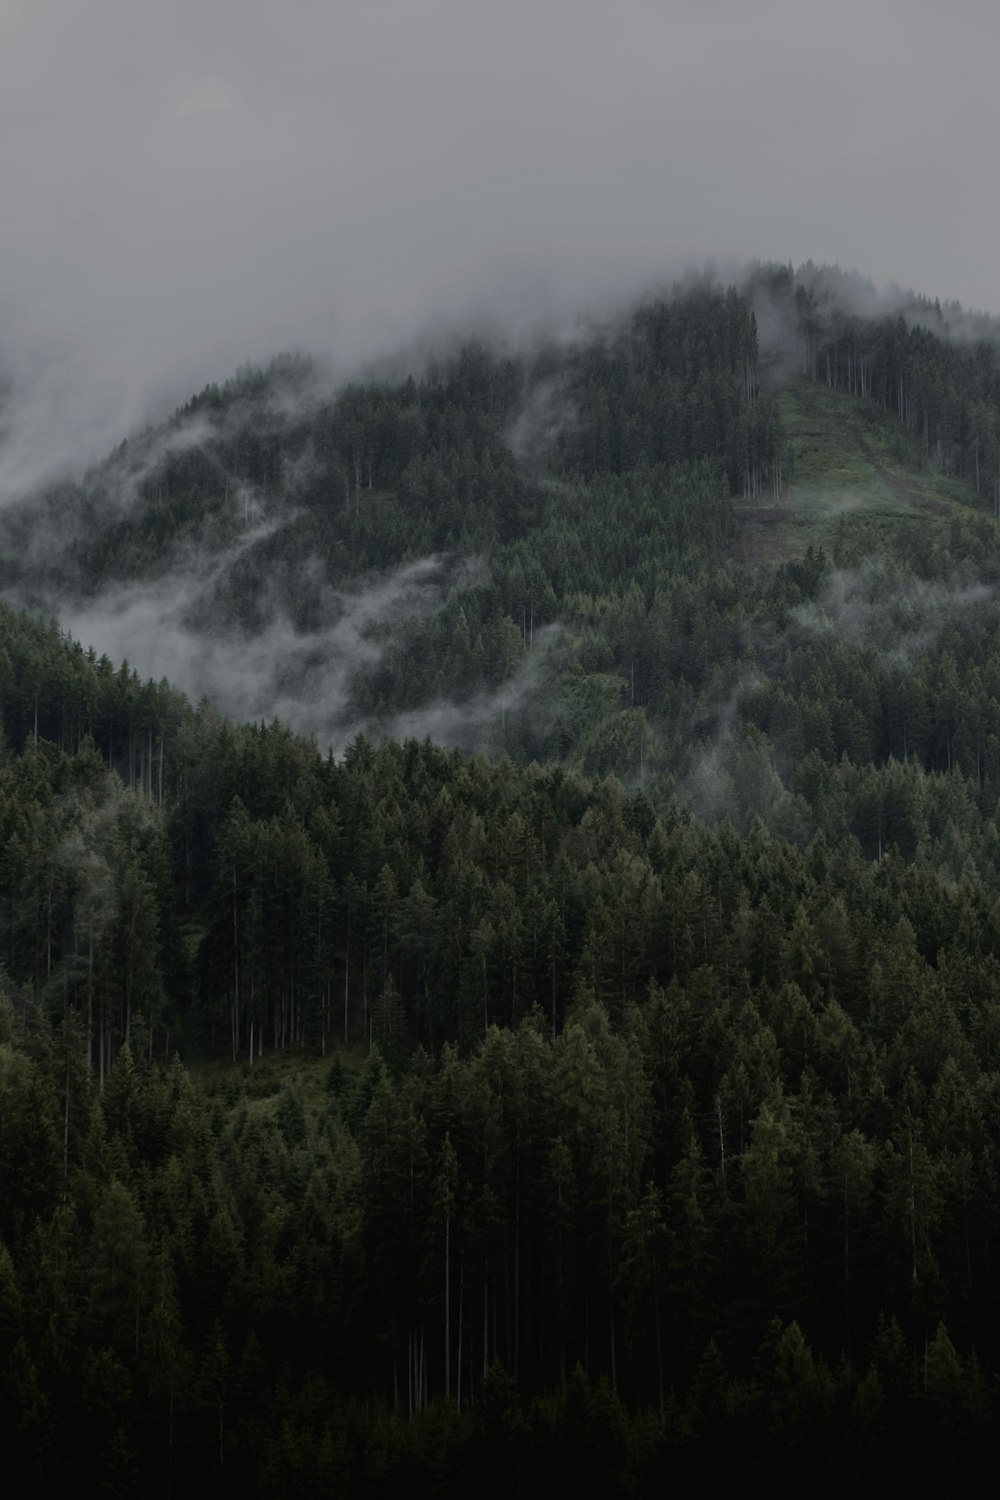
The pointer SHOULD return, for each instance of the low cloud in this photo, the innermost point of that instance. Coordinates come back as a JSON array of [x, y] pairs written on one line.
[[480, 722], [305, 678], [546, 413], [899, 618], [60, 410], [708, 785]]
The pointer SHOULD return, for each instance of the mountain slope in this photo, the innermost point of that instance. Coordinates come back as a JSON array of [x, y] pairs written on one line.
[[621, 1104], [843, 460]]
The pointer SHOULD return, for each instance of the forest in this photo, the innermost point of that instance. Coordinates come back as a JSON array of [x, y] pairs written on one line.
[[568, 1051]]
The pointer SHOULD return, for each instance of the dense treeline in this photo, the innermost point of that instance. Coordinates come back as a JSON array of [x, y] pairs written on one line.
[[590, 486], [681, 381], [937, 370], [414, 1273], [707, 1113], [622, 1104], [539, 475], [382, 472]]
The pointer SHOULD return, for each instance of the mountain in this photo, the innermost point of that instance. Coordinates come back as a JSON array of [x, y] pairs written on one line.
[[617, 1101]]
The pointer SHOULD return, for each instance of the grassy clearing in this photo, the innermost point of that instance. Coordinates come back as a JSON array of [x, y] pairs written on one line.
[[261, 1084], [846, 463]]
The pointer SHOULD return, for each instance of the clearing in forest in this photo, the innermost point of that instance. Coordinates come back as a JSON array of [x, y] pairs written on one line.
[[843, 461]]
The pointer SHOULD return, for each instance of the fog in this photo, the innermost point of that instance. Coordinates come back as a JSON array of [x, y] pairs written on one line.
[[165, 628], [191, 185], [899, 619]]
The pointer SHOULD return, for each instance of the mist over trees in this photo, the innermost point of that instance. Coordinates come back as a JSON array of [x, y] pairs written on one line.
[[935, 368], [616, 1104]]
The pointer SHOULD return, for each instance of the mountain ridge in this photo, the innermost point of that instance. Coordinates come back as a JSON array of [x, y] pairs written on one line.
[[613, 1090]]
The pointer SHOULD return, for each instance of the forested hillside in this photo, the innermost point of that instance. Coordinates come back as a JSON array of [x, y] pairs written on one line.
[[420, 556], [621, 1101]]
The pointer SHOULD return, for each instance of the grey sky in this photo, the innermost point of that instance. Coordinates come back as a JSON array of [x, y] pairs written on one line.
[[189, 183]]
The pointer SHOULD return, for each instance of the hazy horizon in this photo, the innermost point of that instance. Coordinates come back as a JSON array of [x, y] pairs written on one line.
[[190, 187]]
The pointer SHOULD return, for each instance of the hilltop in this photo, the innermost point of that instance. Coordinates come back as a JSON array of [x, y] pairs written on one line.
[[579, 1051], [507, 549]]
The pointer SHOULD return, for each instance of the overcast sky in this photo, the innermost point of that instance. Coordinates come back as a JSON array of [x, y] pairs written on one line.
[[190, 183]]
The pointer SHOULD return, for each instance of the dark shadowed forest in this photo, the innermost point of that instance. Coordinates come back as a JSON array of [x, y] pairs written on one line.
[[520, 1006]]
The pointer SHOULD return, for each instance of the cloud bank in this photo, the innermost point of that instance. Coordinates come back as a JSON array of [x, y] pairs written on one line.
[[191, 185], [302, 677]]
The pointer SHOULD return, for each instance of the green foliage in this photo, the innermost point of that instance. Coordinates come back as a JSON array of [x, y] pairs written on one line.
[[623, 1104]]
